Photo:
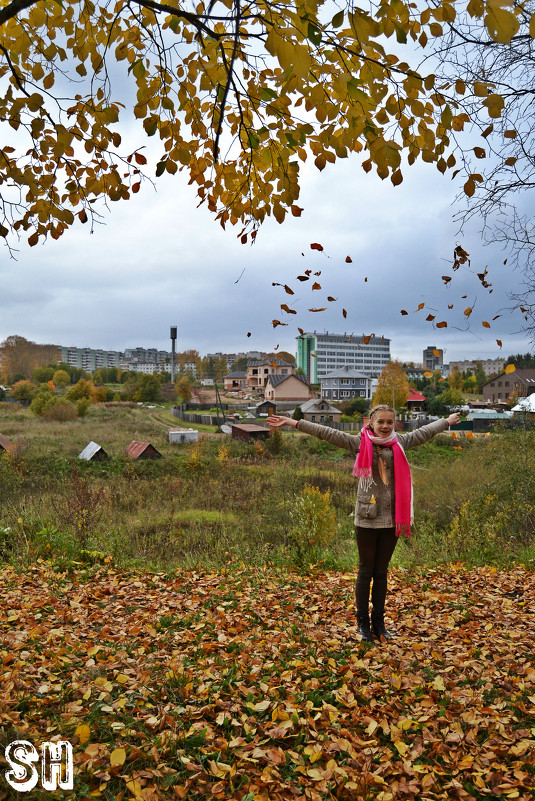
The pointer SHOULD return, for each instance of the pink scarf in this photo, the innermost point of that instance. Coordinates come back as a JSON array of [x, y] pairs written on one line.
[[402, 474]]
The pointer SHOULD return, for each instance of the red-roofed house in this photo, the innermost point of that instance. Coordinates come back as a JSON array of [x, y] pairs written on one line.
[[415, 401]]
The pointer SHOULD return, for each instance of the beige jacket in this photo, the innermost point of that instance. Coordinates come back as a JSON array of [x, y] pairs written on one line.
[[381, 513]]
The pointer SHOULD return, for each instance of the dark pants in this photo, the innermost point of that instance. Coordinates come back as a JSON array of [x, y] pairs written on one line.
[[376, 546]]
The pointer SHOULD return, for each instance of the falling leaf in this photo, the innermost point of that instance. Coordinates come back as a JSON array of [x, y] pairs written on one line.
[[275, 323], [485, 324], [443, 324], [468, 311], [315, 285], [349, 260], [316, 246], [510, 369], [446, 279], [318, 310], [450, 306], [296, 211], [430, 317], [436, 353], [286, 308], [420, 307], [248, 333], [314, 355], [303, 278], [330, 298], [366, 280], [499, 343], [404, 311], [496, 317], [344, 312], [300, 331], [428, 374]]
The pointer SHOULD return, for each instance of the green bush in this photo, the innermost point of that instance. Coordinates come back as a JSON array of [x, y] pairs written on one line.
[[313, 523]]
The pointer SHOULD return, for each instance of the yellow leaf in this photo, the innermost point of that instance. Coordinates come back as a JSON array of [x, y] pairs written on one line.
[[510, 369], [485, 324], [135, 788], [438, 684], [83, 732], [428, 374], [494, 104], [501, 24], [401, 747], [117, 757]]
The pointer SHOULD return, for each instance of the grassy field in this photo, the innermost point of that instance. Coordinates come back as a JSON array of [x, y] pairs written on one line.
[[474, 499], [166, 619]]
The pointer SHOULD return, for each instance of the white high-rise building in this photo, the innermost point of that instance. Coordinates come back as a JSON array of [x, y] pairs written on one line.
[[319, 354]]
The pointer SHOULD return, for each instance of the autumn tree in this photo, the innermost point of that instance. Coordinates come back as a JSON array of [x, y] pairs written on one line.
[[183, 389], [238, 95], [20, 356], [61, 378], [392, 386], [23, 390]]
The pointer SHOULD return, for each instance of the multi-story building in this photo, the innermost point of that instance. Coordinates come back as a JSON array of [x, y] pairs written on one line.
[[489, 366], [521, 383], [320, 354], [90, 359], [258, 372], [430, 359], [345, 384]]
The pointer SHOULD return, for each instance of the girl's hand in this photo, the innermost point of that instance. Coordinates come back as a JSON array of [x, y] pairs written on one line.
[[277, 421], [453, 419]]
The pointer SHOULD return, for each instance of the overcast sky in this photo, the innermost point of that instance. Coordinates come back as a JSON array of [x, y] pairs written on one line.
[[159, 261]]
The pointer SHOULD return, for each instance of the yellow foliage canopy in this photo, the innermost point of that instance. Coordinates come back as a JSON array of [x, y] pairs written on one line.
[[238, 94]]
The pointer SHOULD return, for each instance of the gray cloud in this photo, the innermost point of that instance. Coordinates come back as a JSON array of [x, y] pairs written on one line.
[[159, 261]]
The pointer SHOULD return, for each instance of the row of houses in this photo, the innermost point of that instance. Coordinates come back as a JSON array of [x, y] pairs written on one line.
[[279, 381]]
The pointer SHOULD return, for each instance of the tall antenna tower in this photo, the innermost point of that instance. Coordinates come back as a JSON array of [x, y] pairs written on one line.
[[173, 340]]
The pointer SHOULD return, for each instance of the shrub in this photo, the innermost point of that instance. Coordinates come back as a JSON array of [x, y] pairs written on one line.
[[61, 411], [42, 401], [23, 390], [313, 522], [82, 406]]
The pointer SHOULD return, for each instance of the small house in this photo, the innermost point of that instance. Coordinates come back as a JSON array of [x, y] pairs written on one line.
[[415, 401], [235, 381], [320, 410], [266, 407], [94, 453], [142, 450], [287, 388]]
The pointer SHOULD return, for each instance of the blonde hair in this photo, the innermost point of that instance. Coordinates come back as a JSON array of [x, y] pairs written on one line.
[[382, 407]]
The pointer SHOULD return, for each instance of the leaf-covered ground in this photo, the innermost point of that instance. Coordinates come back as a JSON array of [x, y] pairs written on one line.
[[248, 684]]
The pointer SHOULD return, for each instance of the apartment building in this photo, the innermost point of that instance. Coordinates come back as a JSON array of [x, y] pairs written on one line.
[[319, 354], [90, 359]]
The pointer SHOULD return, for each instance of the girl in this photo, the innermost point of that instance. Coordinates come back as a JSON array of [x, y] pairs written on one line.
[[384, 499]]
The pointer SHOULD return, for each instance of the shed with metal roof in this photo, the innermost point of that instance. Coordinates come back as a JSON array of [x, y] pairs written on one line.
[[142, 450], [93, 453]]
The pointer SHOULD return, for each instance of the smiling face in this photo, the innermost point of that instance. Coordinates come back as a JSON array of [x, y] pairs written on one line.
[[382, 423]]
